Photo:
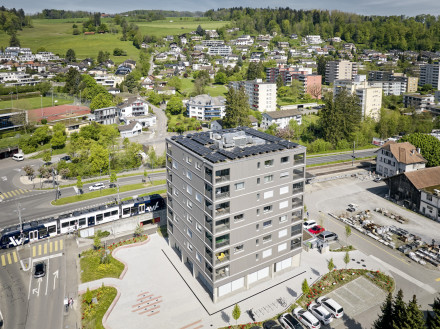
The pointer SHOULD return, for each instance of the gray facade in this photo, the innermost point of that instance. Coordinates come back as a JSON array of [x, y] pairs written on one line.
[[235, 203], [106, 116]]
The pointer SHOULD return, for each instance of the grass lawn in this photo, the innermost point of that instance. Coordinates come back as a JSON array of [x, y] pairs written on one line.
[[33, 103], [92, 269], [212, 89], [105, 192], [9, 141], [56, 36], [175, 26], [92, 314]]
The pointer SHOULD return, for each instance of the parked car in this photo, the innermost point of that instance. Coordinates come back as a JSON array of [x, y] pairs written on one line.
[[271, 324], [320, 313], [47, 164], [377, 179], [309, 224], [330, 305], [316, 229], [289, 322], [306, 318], [40, 270], [327, 236], [96, 187], [18, 157], [112, 185], [351, 209], [65, 158]]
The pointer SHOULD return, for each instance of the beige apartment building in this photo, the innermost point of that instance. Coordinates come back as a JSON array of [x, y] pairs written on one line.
[[340, 70]]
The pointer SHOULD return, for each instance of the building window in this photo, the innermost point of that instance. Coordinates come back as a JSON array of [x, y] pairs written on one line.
[[268, 163], [284, 204], [239, 186], [189, 218], [198, 197], [267, 238], [175, 164], [198, 166], [284, 190], [199, 227], [284, 174], [268, 178], [268, 194], [189, 189], [257, 242], [258, 212], [190, 247], [189, 204], [429, 197], [238, 218], [258, 165], [282, 247], [189, 174], [175, 192], [267, 224], [284, 159], [257, 227], [198, 257], [267, 209], [190, 233], [283, 218], [267, 253], [238, 249], [258, 180], [258, 196], [188, 160], [256, 256], [282, 233]]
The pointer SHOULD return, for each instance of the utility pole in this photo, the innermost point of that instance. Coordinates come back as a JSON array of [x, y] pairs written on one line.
[[353, 156], [19, 209]]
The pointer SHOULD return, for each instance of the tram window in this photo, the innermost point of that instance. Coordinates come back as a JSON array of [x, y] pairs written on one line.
[[65, 224], [99, 217], [72, 222], [82, 222], [114, 212], [126, 211], [52, 229], [42, 232], [107, 214]]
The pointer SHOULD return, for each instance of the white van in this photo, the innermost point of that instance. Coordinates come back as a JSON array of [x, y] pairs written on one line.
[[18, 157]]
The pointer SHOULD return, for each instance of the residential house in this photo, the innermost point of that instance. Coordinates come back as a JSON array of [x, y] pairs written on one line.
[[261, 95], [280, 118], [395, 158], [430, 202], [417, 101], [205, 107], [134, 128], [221, 50], [147, 120], [133, 106], [107, 115]]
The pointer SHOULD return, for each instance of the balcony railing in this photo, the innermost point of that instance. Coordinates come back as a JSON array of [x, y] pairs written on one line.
[[223, 195], [221, 258], [222, 211], [208, 209], [295, 245], [223, 178], [298, 190], [208, 193], [295, 232], [221, 243], [208, 241], [296, 204], [208, 177], [208, 225], [222, 273]]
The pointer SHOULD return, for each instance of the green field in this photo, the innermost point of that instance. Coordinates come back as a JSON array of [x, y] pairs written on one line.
[[213, 90], [175, 26], [32, 103], [56, 36]]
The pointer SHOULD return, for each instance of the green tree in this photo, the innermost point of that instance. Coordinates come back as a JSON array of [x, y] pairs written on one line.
[[103, 56], [330, 265], [30, 171], [433, 321], [88, 296], [175, 106], [237, 109], [385, 320], [101, 101], [429, 147], [73, 79], [236, 312], [138, 231], [321, 62], [221, 78], [152, 157], [305, 287], [70, 55], [176, 83], [113, 177], [98, 159], [347, 233], [46, 156], [200, 31], [131, 83], [346, 259], [400, 313], [96, 242], [13, 41], [79, 183], [415, 315], [255, 71], [58, 140], [280, 82]]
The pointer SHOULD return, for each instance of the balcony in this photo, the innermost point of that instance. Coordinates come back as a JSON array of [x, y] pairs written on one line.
[[297, 216], [297, 190], [297, 202], [222, 241], [208, 223], [208, 255], [295, 244], [222, 175], [222, 272], [222, 225], [221, 257], [222, 192], [208, 239], [208, 191], [222, 209], [299, 159], [208, 175], [208, 207]]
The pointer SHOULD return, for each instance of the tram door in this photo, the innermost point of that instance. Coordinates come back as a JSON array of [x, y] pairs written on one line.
[[33, 236], [141, 208], [91, 221]]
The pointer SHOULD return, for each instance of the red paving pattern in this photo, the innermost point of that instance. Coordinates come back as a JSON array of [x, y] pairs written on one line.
[[147, 303], [192, 325], [57, 112]]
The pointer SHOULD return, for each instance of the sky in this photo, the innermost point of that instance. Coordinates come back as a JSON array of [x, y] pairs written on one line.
[[365, 7]]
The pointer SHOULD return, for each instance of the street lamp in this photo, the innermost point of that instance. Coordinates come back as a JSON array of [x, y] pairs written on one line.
[[19, 209]]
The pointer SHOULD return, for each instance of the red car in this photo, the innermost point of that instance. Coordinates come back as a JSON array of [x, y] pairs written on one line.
[[316, 229]]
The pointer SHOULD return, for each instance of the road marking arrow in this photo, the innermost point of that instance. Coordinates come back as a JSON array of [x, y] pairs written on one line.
[[37, 290], [55, 277]]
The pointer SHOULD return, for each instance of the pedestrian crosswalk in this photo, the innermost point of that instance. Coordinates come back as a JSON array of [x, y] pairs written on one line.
[[14, 193], [40, 249]]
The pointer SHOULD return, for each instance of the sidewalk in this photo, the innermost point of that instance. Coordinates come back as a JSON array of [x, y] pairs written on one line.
[[182, 301]]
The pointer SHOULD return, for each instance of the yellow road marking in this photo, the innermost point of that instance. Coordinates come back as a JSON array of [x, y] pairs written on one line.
[[14, 254], [34, 251], [13, 193], [1, 196], [3, 260], [45, 249], [56, 245], [9, 258], [370, 242], [39, 250], [21, 191], [61, 244], [8, 194], [50, 246]]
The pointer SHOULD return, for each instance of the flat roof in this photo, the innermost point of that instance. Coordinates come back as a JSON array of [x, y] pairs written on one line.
[[233, 144]]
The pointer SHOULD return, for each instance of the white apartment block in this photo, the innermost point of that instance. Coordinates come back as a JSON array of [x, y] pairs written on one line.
[[391, 87], [205, 107], [370, 97], [430, 202], [262, 96], [281, 118], [222, 50], [430, 74], [313, 39], [339, 70]]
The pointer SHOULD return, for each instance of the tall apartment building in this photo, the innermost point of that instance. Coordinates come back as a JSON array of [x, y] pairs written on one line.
[[221, 50], [340, 70], [107, 115], [262, 96], [235, 206], [430, 74], [370, 97], [410, 83], [205, 107]]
